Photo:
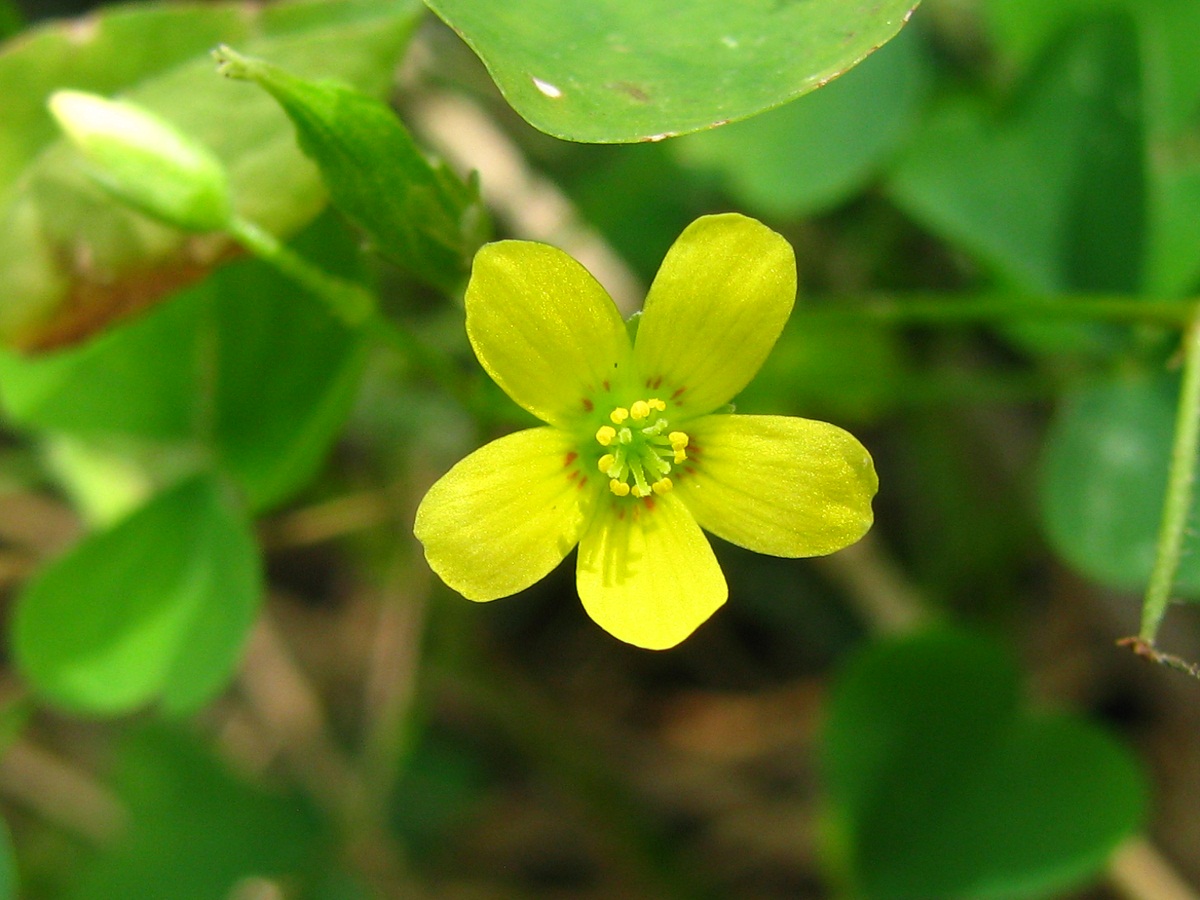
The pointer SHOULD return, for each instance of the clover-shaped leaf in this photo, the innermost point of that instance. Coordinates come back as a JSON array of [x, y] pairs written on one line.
[[611, 71], [944, 786]]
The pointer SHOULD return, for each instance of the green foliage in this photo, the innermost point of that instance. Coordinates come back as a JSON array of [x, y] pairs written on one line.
[[1049, 193], [198, 830], [1104, 474], [156, 609], [417, 213], [8, 868], [242, 370], [613, 71], [816, 152], [70, 257], [11, 20], [1026, 168], [943, 786]]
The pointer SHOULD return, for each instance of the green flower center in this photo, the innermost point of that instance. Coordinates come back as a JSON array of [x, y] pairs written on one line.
[[640, 449]]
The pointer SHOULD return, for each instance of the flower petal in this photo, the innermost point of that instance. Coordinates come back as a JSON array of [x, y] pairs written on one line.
[[715, 310], [648, 577], [505, 516], [542, 327], [777, 484]]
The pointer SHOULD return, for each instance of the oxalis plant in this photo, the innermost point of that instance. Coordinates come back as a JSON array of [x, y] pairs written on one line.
[[260, 342]]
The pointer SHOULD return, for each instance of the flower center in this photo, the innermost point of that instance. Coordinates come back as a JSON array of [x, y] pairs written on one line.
[[640, 449]]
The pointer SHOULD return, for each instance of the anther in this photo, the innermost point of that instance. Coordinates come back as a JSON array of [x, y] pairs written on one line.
[[655, 403], [606, 462], [620, 488], [639, 410], [619, 415], [605, 435], [662, 486]]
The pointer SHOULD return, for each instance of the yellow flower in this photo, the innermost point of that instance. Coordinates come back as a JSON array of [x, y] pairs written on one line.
[[637, 454]]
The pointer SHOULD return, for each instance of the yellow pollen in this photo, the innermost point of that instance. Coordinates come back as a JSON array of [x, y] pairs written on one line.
[[640, 450]]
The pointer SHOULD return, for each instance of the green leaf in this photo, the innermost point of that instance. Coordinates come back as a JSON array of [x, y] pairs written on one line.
[[244, 367], [154, 610], [1104, 476], [70, 257], [196, 828], [138, 379], [1051, 194], [11, 22], [1170, 76], [944, 788], [417, 213], [286, 374], [8, 866], [815, 152], [614, 71]]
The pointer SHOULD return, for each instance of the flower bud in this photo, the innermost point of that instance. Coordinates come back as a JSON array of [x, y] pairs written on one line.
[[145, 161]]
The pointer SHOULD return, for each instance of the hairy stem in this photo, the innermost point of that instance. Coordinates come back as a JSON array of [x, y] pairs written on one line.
[[1180, 483]]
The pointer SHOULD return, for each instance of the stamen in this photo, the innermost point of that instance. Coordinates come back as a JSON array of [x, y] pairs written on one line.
[[679, 440], [640, 457]]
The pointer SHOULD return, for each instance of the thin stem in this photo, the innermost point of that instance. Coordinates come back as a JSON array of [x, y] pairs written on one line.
[[350, 302], [1180, 483], [938, 309]]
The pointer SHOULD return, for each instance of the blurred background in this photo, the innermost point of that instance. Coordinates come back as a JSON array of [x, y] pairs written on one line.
[[383, 737]]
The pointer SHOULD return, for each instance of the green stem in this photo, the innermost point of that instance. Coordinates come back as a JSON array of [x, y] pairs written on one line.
[[1180, 482], [936, 309], [350, 302]]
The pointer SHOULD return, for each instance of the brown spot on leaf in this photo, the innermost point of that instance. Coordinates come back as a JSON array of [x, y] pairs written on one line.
[[630, 89], [90, 306]]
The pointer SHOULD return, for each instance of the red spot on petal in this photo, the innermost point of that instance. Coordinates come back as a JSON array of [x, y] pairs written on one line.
[[621, 513], [678, 393], [587, 404], [571, 457], [572, 475], [649, 501], [606, 385]]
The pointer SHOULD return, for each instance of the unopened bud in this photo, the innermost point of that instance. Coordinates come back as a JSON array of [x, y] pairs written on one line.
[[145, 161]]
